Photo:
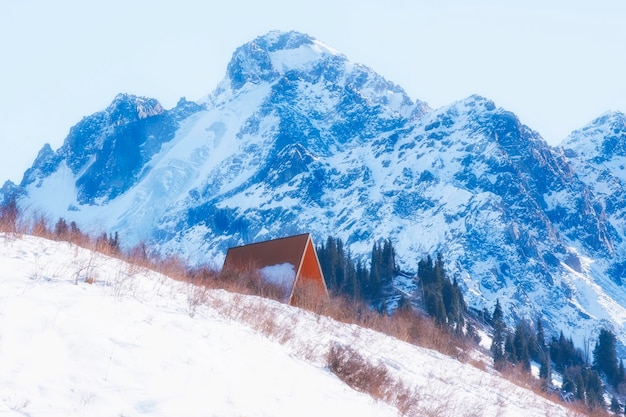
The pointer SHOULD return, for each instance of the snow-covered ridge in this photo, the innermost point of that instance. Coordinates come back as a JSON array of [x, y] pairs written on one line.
[[84, 334], [590, 141]]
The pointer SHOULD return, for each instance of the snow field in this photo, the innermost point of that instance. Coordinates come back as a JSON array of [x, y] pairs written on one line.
[[134, 343]]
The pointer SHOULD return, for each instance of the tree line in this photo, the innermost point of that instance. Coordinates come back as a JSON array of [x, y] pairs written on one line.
[[61, 230], [582, 381], [371, 283], [352, 278], [442, 298]]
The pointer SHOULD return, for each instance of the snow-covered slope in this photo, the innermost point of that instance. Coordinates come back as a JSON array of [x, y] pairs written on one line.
[[84, 334], [297, 138]]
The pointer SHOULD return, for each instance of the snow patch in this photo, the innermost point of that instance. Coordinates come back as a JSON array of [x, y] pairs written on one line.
[[282, 275]]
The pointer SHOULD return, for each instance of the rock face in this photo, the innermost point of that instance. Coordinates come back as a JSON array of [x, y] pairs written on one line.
[[597, 152], [297, 138]]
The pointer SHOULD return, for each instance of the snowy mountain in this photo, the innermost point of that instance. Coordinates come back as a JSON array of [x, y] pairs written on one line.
[[598, 154], [297, 138], [85, 334]]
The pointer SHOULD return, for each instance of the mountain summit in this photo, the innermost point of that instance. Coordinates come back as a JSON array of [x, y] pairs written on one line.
[[270, 57], [297, 138]]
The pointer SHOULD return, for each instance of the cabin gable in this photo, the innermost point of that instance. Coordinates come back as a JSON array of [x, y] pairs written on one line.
[[289, 263]]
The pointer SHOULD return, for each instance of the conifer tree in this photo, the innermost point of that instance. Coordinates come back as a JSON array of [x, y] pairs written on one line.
[[499, 336], [594, 391], [328, 256], [75, 233], [60, 228], [605, 357], [345, 277], [432, 290], [373, 289], [569, 384], [9, 213], [509, 349], [114, 243], [388, 261], [340, 267], [520, 341], [564, 354], [540, 341], [545, 368], [350, 278], [361, 277]]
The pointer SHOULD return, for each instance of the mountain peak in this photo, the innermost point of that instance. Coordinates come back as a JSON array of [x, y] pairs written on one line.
[[603, 138], [268, 56], [127, 108], [610, 117]]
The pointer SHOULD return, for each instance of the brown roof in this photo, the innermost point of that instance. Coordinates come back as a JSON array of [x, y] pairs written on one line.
[[287, 250]]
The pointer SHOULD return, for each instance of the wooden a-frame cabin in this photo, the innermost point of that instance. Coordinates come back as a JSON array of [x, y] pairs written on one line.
[[289, 263]]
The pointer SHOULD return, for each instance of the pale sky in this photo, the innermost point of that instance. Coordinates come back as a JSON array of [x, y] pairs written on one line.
[[556, 64]]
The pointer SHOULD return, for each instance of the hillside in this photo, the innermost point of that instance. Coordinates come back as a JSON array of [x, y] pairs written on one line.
[[85, 334]]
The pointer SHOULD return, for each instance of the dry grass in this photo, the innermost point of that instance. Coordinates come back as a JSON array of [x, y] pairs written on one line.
[[375, 379], [358, 373], [406, 324]]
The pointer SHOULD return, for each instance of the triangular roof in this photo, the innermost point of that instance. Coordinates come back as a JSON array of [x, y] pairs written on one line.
[[270, 252], [287, 262]]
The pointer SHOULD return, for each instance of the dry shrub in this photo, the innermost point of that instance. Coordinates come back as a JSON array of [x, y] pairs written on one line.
[[197, 296], [173, 267], [249, 281], [139, 255], [358, 373], [405, 324], [478, 364], [340, 309], [310, 295], [40, 227]]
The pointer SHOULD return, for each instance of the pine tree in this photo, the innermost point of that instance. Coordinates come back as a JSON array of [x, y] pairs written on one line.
[[569, 384], [61, 228], [325, 255], [594, 391], [499, 336], [9, 213], [329, 258], [545, 368], [353, 280], [362, 277], [509, 349], [605, 357], [564, 354], [545, 365], [520, 341], [114, 243], [540, 341], [388, 261], [372, 289], [351, 283], [75, 233], [340, 268], [432, 290]]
